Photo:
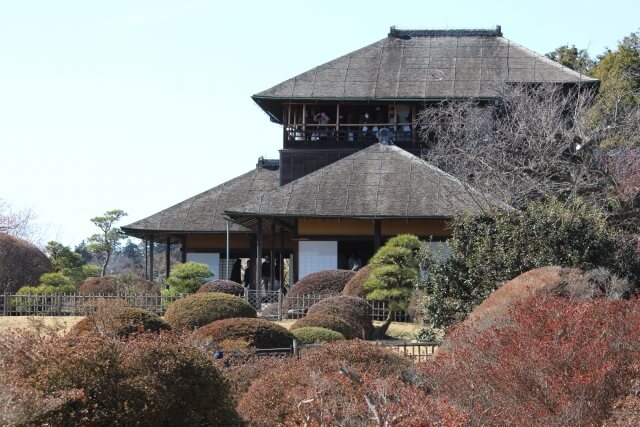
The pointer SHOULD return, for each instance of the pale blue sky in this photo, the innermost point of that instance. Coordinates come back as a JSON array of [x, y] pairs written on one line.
[[139, 105]]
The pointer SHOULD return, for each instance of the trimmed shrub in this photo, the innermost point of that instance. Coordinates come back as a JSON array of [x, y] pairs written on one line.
[[117, 321], [222, 286], [121, 283], [355, 285], [353, 310], [345, 374], [152, 380], [21, 263], [256, 333], [326, 321], [313, 334], [327, 282], [198, 310], [554, 361]]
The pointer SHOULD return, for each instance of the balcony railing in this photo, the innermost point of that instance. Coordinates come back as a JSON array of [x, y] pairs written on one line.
[[345, 136]]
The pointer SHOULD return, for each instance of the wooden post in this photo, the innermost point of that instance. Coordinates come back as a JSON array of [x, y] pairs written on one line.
[[376, 235], [146, 259], [272, 264], [151, 258], [258, 265], [281, 260], [184, 249], [167, 257]]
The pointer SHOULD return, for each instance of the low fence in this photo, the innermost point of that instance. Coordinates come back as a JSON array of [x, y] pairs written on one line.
[[271, 305], [416, 351], [77, 305]]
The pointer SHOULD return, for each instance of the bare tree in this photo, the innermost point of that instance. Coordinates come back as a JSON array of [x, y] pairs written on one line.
[[533, 142], [19, 223]]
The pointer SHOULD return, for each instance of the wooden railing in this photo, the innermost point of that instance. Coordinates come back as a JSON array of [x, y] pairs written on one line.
[[345, 135]]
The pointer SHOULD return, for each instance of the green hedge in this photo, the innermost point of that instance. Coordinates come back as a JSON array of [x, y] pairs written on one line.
[[312, 334]]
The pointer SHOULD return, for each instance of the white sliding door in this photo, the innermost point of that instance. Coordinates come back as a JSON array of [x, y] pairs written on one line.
[[317, 256]]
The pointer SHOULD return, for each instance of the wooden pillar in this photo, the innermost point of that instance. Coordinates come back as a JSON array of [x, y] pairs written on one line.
[[151, 258], [146, 259], [258, 265], [376, 235], [281, 259], [167, 257], [252, 259], [296, 253], [272, 263], [184, 249]]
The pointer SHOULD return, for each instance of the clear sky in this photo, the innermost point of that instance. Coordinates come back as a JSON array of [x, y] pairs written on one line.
[[138, 105]]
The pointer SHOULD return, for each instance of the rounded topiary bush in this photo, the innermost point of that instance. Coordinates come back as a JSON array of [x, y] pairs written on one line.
[[256, 333], [121, 283], [223, 286], [355, 286], [327, 321], [321, 283], [313, 334], [355, 311], [146, 380], [119, 322], [21, 263], [198, 310]]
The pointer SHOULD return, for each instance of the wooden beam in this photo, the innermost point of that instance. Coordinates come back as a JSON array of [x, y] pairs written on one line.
[[376, 234]]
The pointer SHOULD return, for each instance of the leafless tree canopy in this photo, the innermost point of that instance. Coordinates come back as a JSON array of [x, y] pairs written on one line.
[[534, 142], [19, 223]]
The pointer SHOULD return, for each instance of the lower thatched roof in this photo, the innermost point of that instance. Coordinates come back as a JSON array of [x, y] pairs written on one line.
[[380, 181], [203, 213]]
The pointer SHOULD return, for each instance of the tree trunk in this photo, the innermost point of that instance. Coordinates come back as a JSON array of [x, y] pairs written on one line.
[[380, 331], [104, 266]]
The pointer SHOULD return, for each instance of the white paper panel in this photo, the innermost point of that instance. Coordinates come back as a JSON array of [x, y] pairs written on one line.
[[317, 256]]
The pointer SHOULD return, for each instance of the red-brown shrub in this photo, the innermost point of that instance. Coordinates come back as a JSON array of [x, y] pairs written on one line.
[[334, 323], [353, 310], [555, 361], [122, 283], [313, 387], [355, 285], [256, 333], [224, 286], [524, 286], [115, 321], [21, 263], [324, 283], [148, 380]]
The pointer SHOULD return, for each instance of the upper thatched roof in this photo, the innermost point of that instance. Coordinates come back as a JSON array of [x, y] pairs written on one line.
[[424, 64], [203, 213], [380, 181]]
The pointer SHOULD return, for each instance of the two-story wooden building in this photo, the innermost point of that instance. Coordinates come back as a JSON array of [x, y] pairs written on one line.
[[349, 174]]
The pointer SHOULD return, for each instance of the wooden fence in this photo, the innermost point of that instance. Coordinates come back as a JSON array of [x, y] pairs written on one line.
[[291, 307], [416, 351]]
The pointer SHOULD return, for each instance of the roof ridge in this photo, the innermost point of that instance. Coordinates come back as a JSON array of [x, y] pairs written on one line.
[[407, 34]]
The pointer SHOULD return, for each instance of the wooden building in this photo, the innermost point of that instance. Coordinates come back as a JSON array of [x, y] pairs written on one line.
[[349, 173]]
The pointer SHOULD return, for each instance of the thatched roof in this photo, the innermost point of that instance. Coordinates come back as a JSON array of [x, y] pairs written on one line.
[[203, 213], [422, 64], [381, 181]]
